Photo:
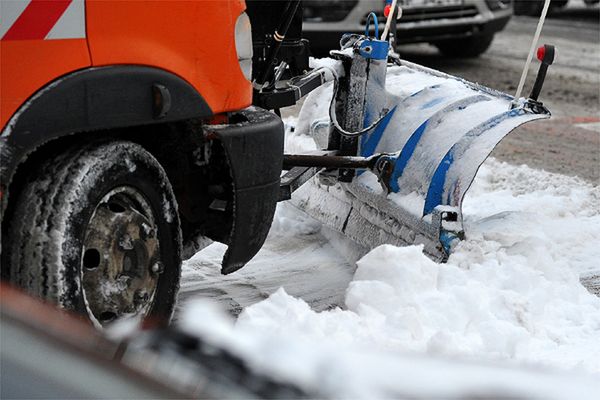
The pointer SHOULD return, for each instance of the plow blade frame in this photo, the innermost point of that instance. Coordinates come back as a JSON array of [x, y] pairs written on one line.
[[435, 132]]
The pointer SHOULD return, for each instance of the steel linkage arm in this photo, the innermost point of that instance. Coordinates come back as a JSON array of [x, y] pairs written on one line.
[[302, 167]]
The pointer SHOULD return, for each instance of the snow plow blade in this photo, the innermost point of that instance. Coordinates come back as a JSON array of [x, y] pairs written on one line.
[[434, 133]]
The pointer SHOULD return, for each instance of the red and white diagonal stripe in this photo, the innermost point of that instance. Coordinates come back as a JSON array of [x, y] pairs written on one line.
[[42, 19]]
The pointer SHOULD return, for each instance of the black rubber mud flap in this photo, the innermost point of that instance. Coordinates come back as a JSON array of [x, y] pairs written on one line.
[[254, 148]]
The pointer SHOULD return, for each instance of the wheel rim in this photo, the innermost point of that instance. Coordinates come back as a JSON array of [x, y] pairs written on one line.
[[120, 263]]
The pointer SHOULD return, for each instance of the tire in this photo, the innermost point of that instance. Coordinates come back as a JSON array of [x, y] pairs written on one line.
[[559, 3], [469, 47], [96, 230], [528, 7]]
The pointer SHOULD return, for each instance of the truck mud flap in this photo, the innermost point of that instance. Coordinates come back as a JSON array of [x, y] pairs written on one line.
[[254, 149]]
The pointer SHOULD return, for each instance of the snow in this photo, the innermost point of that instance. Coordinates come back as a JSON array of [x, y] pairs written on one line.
[[167, 209], [295, 252], [330, 66], [507, 307], [131, 167], [506, 316]]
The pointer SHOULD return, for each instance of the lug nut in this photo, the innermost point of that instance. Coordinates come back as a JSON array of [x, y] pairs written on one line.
[[147, 231], [157, 268], [126, 243], [140, 296]]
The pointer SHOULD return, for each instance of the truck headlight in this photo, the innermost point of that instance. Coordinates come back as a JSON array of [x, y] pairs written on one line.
[[243, 44]]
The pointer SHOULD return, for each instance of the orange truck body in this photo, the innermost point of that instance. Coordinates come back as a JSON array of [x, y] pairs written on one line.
[[173, 35]]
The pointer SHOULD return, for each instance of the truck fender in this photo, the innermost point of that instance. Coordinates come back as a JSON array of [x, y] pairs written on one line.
[[93, 99]]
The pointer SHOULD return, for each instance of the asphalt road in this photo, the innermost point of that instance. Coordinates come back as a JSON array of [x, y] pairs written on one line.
[[569, 143]]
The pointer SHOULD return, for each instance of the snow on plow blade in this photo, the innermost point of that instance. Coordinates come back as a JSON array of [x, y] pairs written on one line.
[[437, 132]]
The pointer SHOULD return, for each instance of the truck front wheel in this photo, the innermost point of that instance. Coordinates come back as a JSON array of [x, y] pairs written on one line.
[[96, 230], [465, 48]]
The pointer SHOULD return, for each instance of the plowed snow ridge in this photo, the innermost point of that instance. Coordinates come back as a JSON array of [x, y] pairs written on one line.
[[510, 292]]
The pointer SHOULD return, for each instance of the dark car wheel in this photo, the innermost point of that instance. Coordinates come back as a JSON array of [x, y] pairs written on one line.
[[96, 231], [559, 3], [528, 7], [534, 7], [467, 47]]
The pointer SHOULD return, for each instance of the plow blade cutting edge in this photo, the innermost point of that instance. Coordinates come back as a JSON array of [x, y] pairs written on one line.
[[437, 131]]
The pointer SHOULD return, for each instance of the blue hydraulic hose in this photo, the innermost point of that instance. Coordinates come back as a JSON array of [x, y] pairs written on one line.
[[372, 16]]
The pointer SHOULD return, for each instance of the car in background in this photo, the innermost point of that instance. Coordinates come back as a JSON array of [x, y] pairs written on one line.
[[458, 28], [534, 7]]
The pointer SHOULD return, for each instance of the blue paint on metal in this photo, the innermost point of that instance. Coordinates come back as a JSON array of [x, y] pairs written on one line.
[[405, 155], [425, 89], [447, 239], [411, 144], [374, 49], [369, 142], [436, 187], [432, 103]]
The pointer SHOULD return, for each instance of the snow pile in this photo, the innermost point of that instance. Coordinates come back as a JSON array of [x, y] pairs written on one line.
[[329, 367], [510, 292], [546, 217]]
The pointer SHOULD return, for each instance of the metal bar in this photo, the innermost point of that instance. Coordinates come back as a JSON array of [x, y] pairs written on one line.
[[289, 95], [295, 178], [327, 161], [308, 83]]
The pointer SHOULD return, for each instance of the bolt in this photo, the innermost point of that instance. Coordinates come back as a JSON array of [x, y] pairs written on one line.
[[127, 264], [382, 165], [126, 243], [140, 296], [157, 268], [147, 231]]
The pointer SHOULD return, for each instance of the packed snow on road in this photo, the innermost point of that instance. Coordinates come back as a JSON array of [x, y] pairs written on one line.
[[506, 311]]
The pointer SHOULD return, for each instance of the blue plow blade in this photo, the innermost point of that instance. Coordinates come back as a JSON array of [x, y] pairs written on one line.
[[438, 132]]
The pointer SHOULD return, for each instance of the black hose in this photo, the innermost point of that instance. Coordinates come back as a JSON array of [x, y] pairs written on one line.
[[278, 37], [333, 116]]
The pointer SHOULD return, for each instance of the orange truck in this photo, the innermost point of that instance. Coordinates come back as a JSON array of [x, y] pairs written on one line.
[[129, 139]]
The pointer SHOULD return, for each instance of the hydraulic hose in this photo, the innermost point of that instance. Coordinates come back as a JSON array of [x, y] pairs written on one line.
[[333, 116], [278, 36]]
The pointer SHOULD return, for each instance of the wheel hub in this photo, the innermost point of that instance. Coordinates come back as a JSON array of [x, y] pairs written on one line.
[[121, 257]]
